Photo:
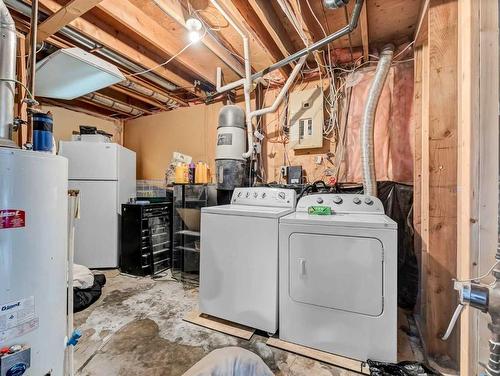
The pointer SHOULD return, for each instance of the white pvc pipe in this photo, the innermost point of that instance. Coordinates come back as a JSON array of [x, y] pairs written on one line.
[[230, 86], [283, 91], [247, 80]]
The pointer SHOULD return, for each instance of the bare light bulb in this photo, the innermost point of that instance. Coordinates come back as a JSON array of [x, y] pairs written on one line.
[[194, 26], [194, 36]]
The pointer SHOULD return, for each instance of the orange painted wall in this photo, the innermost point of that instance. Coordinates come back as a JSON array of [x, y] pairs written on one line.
[[189, 130]]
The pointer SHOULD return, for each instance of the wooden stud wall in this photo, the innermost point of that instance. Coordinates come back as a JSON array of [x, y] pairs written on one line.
[[468, 158], [436, 174], [456, 167], [478, 161]]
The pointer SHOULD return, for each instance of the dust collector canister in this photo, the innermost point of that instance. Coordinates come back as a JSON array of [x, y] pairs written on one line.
[[231, 145], [42, 132]]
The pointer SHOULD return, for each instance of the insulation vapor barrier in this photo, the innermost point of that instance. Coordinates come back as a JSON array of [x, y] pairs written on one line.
[[393, 147]]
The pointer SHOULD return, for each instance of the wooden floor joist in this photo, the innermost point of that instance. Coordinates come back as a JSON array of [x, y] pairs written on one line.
[[68, 13], [109, 40]]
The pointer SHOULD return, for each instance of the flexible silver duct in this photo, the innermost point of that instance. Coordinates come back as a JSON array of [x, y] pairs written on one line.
[[368, 122], [8, 52], [114, 104]]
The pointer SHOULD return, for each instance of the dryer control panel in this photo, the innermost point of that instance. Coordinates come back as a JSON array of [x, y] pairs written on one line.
[[342, 203], [264, 196]]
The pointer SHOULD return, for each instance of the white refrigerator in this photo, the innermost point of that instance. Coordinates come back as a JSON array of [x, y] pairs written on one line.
[[105, 175]]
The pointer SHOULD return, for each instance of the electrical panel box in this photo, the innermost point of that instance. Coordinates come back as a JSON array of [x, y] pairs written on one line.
[[305, 111]]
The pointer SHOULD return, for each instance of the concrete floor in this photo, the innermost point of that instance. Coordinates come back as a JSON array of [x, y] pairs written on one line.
[[136, 328]]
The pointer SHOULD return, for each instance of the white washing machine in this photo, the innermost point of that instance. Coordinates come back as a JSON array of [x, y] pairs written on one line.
[[338, 277], [239, 257]]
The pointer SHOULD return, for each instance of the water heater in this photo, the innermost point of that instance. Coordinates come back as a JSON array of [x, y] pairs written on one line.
[[33, 261], [231, 144]]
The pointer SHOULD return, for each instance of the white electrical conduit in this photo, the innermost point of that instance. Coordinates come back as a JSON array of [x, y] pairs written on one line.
[[247, 80], [368, 122]]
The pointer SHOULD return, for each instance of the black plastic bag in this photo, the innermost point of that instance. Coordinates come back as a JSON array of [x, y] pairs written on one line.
[[398, 202], [84, 298], [400, 369]]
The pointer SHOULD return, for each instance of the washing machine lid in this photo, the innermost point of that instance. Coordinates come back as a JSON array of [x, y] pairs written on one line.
[[247, 211], [359, 220]]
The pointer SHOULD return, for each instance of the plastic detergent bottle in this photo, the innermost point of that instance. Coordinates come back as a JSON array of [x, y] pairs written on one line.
[[201, 173], [191, 173], [208, 174], [185, 173], [181, 173]]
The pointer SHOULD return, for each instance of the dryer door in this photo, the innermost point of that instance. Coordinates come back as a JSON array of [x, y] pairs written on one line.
[[337, 272]]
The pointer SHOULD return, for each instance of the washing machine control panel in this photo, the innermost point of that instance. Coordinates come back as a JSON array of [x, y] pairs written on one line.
[[264, 196], [342, 203]]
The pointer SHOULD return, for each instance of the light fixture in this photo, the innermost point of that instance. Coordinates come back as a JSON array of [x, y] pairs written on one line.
[[71, 72], [335, 4], [194, 36], [194, 27]]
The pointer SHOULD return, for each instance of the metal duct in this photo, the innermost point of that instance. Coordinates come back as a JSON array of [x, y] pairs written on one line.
[[113, 104], [7, 72], [368, 122], [347, 29]]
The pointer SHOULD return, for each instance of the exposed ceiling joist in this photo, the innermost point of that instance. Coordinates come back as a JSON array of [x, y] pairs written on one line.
[[111, 41], [313, 28], [135, 20], [422, 25], [307, 25], [363, 21], [267, 15], [175, 10], [64, 16], [245, 16]]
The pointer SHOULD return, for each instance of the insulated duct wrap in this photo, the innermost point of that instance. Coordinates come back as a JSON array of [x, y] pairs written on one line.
[[8, 52], [113, 104], [231, 144], [368, 122]]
